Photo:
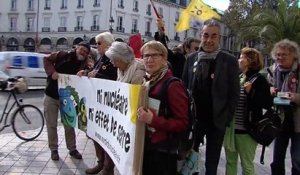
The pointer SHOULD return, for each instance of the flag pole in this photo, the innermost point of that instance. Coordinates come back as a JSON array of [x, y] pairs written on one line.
[[156, 13]]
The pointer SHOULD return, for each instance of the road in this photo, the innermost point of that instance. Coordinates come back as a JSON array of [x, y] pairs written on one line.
[[34, 97]]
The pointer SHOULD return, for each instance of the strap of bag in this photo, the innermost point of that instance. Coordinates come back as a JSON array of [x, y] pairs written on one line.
[[262, 155]]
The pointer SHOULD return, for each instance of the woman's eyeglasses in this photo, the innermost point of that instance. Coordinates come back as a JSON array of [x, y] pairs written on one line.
[[152, 55]]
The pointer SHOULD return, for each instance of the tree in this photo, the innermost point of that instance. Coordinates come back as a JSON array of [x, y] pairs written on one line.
[[264, 21], [273, 25]]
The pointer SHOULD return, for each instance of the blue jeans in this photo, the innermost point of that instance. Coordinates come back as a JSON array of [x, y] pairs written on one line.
[[280, 148]]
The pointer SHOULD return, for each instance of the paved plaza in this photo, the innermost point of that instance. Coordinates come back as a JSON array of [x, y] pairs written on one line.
[[30, 158]]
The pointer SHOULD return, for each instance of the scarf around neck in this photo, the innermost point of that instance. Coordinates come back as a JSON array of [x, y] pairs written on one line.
[[286, 79]]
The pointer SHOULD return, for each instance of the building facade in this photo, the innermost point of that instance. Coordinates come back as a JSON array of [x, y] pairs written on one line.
[[51, 25]]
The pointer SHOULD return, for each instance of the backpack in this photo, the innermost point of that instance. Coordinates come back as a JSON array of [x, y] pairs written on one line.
[[184, 139]]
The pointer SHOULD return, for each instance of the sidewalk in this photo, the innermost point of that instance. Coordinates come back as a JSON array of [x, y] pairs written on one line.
[[32, 158]]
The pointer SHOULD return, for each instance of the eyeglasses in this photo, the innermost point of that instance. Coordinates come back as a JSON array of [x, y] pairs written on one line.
[[98, 43], [152, 55], [282, 55]]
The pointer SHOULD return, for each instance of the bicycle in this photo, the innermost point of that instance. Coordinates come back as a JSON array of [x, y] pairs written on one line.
[[27, 120]]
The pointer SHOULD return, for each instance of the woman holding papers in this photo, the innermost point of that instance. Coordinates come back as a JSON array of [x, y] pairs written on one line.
[[284, 76], [160, 154]]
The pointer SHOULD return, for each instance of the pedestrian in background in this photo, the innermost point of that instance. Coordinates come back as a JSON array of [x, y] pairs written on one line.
[[67, 63], [254, 97], [284, 77], [212, 76]]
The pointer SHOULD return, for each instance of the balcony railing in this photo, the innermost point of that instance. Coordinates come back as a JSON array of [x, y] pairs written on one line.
[[121, 6], [78, 28], [94, 28], [47, 8], [46, 29], [79, 6], [62, 29], [147, 33], [96, 5], [120, 29], [135, 9], [134, 31], [63, 7], [148, 13], [176, 38]]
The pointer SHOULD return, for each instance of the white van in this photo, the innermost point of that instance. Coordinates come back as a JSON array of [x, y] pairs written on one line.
[[29, 65]]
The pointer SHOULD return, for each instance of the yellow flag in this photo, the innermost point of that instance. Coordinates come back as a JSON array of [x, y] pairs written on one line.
[[201, 11], [197, 9], [184, 21]]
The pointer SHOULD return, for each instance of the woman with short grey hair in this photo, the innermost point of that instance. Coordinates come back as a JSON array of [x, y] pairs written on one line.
[[130, 70]]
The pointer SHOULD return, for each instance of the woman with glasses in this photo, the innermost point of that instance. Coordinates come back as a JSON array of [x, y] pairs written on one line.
[[254, 97], [284, 77], [160, 155]]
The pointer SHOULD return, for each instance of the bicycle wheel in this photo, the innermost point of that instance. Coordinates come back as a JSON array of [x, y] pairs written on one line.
[[28, 122]]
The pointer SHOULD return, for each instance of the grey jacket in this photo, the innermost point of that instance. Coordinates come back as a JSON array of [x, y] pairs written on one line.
[[296, 116]]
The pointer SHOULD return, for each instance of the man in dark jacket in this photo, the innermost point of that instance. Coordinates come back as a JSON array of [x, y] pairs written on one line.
[[213, 77], [67, 63]]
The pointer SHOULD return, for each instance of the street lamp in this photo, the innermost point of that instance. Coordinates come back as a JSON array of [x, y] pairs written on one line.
[[111, 19], [84, 37], [111, 24]]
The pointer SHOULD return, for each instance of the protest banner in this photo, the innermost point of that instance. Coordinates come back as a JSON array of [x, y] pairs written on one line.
[[106, 110]]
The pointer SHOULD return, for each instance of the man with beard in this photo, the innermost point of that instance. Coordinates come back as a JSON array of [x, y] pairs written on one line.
[[67, 63]]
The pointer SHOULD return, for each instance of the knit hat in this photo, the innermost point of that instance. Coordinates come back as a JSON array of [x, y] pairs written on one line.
[[85, 44]]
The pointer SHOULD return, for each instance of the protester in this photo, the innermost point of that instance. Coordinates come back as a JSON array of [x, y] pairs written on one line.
[[130, 70], [176, 60], [104, 69], [190, 45], [254, 97], [213, 77], [67, 63], [284, 77], [160, 156]]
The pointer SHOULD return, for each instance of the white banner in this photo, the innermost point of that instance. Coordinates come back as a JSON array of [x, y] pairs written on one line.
[[107, 111]]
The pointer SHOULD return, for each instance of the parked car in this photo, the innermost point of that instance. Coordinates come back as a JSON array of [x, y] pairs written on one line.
[[28, 65]]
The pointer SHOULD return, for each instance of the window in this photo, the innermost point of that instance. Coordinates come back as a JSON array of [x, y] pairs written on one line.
[[177, 16], [63, 4], [135, 6], [47, 4], [161, 12], [80, 4], [13, 5], [148, 12], [120, 24], [148, 26], [30, 5], [134, 25], [33, 61], [13, 24], [46, 21], [120, 4], [63, 21], [79, 21], [96, 3], [29, 24], [17, 61], [96, 20]]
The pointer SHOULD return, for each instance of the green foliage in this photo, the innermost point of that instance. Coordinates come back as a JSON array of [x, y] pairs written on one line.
[[267, 21]]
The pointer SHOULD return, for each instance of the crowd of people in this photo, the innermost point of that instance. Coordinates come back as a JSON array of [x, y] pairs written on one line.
[[228, 92]]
